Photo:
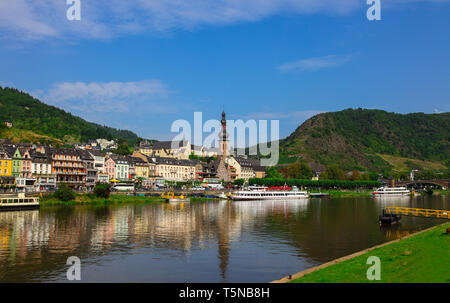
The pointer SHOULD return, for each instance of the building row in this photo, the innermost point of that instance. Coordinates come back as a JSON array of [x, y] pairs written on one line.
[[30, 167]]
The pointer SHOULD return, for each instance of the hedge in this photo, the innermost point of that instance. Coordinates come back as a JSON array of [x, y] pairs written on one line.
[[324, 184]]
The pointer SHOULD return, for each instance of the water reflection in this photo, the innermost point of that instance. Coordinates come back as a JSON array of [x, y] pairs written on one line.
[[199, 242]]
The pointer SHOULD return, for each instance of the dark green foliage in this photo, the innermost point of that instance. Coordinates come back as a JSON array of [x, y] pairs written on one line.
[[238, 182], [298, 170], [323, 184], [123, 148], [29, 113], [429, 191], [387, 133], [64, 193], [333, 172], [352, 138], [202, 159], [273, 173], [431, 175], [102, 190]]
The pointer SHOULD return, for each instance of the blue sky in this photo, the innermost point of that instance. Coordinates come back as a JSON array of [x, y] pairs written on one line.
[[140, 65]]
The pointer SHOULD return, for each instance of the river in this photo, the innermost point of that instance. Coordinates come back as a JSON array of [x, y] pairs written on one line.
[[256, 241]]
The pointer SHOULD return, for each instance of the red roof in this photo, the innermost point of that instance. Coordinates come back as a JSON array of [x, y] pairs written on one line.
[[280, 187]]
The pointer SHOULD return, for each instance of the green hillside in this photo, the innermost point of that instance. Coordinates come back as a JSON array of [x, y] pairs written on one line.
[[364, 139], [31, 116]]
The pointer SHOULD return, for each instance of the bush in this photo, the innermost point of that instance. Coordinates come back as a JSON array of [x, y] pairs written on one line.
[[102, 190], [238, 182], [64, 193]]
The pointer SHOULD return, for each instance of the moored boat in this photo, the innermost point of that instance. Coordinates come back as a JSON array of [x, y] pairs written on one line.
[[18, 202], [223, 196], [391, 192], [171, 197], [387, 218], [270, 193]]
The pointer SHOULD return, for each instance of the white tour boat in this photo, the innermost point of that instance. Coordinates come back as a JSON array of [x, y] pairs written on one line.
[[391, 192], [19, 201], [269, 193]]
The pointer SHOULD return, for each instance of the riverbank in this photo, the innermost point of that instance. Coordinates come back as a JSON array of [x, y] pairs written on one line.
[[419, 258], [364, 193], [89, 199], [441, 192]]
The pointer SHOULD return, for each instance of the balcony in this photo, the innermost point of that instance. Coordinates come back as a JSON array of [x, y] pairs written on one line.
[[70, 173]]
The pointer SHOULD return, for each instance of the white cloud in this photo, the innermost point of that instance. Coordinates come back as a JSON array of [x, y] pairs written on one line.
[[105, 19], [7, 84], [315, 64], [106, 97]]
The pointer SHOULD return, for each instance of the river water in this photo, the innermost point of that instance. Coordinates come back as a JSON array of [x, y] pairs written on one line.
[[223, 241]]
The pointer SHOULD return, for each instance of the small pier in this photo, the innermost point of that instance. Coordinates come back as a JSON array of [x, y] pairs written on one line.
[[393, 214]]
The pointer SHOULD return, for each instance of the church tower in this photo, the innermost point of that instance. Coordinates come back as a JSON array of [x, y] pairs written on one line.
[[223, 140], [222, 171]]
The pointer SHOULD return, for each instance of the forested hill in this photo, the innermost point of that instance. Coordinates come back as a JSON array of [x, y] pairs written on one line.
[[30, 115], [361, 138]]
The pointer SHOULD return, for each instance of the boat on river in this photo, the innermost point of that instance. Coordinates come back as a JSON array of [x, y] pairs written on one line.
[[391, 192], [18, 202], [173, 198], [270, 193]]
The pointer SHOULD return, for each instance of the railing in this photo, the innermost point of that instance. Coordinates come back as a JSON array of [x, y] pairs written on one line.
[[418, 212]]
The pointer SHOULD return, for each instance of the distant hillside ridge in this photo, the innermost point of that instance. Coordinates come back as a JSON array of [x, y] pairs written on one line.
[[358, 138], [29, 114]]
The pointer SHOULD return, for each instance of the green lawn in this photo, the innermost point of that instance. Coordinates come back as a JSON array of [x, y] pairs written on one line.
[[113, 199], [423, 258]]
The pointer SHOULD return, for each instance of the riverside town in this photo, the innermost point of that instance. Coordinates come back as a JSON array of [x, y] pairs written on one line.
[[224, 151]]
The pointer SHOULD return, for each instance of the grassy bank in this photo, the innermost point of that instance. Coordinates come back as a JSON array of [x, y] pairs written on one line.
[[365, 193], [441, 192], [421, 258], [90, 199]]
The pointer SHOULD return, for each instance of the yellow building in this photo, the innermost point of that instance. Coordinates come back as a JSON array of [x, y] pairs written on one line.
[[176, 170], [141, 170], [5, 164], [144, 166]]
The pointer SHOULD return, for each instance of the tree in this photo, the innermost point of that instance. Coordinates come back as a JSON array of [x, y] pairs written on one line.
[[64, 193], [123, 148], [334, 173], [273, 173], [355, 175], [238, 182], [102, 190], [298, 170]]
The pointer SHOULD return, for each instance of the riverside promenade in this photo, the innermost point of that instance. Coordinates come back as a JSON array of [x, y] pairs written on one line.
[[423, 257]]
